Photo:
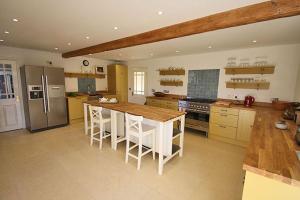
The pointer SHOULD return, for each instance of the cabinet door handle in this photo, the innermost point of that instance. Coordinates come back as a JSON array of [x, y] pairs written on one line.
[[223, 115], [222, 126], [224, 110]]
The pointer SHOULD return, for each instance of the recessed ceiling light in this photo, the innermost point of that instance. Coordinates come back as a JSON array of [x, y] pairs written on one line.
[[209, 47], [6, 32], [69, 44], [1, 40], [55, 48], [116, 28], [87, 37], [254, 41], [15, 20], [160, 12], [177, 51]]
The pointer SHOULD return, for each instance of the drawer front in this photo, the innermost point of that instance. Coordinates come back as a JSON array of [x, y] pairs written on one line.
[[224, 119], [153, 102], [172, 107], [223, 131], [229, 111]]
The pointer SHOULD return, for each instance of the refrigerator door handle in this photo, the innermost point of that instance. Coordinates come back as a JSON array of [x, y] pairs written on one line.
[[48, 104], [44, 100]]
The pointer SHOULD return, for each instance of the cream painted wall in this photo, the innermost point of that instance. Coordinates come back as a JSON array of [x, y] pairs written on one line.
[[40, 58], [297, 90], [283, 81]]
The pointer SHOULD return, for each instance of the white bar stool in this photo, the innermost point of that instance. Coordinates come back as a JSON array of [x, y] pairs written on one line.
[[98, 120], [87, 120], [135, 128]]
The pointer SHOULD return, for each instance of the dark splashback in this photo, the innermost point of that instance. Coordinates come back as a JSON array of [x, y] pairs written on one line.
[[84, 83], [203, 83]]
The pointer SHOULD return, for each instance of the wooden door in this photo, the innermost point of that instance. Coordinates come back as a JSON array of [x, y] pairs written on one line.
[[245, 124], [10, 110]]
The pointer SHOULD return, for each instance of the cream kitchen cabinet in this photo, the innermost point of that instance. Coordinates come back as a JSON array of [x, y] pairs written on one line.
[[232, 125], [117, 81], [75, 107], [245, 124]]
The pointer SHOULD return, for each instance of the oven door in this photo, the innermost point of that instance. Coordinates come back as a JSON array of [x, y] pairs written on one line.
[[197, 120]]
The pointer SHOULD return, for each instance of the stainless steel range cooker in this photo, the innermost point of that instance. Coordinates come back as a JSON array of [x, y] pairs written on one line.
[[197, 110]]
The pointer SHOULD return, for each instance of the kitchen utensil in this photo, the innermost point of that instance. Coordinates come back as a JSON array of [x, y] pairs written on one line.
[[249, 100]]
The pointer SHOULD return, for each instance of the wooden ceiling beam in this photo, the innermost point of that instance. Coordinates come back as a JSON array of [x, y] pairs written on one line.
[[264, 11]]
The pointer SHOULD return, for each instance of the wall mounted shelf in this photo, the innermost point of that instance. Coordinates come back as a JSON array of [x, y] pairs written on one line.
[[83, 75], [165, 72], [250, 70], [171, 83], [254, 85]]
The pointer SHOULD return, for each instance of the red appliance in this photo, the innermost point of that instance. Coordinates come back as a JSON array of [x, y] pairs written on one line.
[[249, 100]]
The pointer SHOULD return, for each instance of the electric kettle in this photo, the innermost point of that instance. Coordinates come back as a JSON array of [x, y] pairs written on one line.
[[249, 100]]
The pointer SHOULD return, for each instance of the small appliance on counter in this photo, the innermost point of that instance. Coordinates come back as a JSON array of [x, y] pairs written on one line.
[[249, 100], [290, 111]]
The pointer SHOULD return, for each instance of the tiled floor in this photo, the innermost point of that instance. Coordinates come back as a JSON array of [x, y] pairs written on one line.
[[60, 164]]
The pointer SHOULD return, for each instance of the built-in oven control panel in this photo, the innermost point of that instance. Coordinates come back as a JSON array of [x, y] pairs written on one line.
[[35, 92], [194, 106]]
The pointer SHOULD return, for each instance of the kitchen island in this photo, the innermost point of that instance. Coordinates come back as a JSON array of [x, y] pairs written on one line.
[[160, 118]]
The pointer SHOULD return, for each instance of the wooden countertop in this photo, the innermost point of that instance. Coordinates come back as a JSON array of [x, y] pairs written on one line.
[[168, 97], [272, 152], [149, 112]]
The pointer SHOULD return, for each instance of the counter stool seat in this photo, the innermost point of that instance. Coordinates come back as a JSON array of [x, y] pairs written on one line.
[[135, 128], [98, 120]]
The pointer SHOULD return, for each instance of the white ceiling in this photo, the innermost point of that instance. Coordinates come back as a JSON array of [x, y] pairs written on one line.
[[47, 24]]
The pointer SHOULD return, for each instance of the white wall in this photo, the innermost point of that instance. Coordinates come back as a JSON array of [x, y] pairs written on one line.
[[40, 58], [283, 81]]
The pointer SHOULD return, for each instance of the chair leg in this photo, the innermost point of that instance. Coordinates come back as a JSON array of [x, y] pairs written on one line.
[[127, 149], [101, 136], [140, 153], [153, 145], [92, 134]]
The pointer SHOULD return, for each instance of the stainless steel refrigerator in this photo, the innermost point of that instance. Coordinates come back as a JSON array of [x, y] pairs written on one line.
[[43, 97]]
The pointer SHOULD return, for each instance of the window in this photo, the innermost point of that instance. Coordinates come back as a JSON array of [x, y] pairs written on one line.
[[6, 82], [139, 83]]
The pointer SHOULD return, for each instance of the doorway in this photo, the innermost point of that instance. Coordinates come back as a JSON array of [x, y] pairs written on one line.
[[137, 81], [10, 109]]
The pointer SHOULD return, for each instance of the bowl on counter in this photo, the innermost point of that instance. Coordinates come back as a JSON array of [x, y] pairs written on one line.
[[159, 94], [281, 125]]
